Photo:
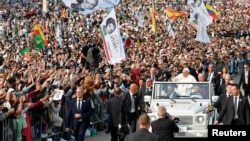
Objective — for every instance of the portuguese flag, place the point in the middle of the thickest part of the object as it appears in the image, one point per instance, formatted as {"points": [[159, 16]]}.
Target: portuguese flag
{"points": [[38, 37], [25, 52]]}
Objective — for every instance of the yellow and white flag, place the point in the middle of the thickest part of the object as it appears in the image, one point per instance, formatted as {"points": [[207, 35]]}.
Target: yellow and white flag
{"points": [[153, 17]]}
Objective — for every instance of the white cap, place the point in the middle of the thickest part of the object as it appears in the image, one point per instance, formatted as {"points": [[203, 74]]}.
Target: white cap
{"points": [[186, 69], [7, 105]]}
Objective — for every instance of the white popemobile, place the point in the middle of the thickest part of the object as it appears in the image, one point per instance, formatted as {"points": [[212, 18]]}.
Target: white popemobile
{"points": [[188, 103]]}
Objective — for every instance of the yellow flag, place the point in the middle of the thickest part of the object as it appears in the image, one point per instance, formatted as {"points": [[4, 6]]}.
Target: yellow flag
{"points": [[153, 16]]}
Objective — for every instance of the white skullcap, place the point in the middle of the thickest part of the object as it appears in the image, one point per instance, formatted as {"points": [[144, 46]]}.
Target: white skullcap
{"points": [[186, 69]]}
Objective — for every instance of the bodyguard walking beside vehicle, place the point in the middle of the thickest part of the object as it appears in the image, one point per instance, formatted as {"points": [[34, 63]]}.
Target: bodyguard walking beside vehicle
{"points": [[114, 112], [164, 127]]}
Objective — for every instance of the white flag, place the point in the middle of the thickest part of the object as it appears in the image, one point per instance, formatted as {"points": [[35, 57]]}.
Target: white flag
{"points": [[202, 35], [170, 28], [113, 44], [89, 6], [199, 12], [199, 16], [58, 33], [139, 17]]}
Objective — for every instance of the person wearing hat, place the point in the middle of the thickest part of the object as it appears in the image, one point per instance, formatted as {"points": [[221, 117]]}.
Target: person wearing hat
{"points": [[4, 115], [184, 77]]}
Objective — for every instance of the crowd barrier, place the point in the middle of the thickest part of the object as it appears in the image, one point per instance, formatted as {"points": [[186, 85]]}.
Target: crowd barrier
{"points": [[40, 123]]}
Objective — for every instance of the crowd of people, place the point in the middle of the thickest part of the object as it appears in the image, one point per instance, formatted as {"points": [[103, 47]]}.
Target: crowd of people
{"points": [[28, 85]]}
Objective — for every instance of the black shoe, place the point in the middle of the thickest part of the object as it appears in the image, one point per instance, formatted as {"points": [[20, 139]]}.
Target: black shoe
{"points": [[107, 131]]}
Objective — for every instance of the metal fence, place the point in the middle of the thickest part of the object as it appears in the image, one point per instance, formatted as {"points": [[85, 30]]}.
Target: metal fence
{"points": [[38, 118]]}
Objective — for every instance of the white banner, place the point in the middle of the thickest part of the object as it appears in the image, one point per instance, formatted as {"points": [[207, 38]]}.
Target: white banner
{"points": [[199, 12], [58, 94], [58, 33], [89, 6], [170, 28], [202, 35], [199, 16], [112, 39], [139, 17]]}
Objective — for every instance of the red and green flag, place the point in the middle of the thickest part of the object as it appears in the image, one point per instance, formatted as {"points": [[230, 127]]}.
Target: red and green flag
{"points": [[39, 44], [25, 52], [38, 37]]}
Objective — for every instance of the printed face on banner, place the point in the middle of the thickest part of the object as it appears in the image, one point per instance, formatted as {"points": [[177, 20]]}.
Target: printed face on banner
{"points": [[89, 6], [58, 94], [110, 26]]}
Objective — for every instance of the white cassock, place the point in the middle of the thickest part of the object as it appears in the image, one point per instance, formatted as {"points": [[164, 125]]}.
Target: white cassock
{"points": [[184, 89]]}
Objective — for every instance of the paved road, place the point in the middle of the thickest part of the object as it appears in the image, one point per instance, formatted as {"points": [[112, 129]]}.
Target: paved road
{"points": [[102, 136]]}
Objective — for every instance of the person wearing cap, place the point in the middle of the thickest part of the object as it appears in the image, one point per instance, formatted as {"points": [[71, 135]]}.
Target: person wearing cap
{"points": [[184, 77], [4, 115], [192, 71]]}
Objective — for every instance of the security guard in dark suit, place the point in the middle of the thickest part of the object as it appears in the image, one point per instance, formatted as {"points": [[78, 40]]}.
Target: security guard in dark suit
{"points": [[131, 106], [164, 127], [142, 134], [114, 112]]}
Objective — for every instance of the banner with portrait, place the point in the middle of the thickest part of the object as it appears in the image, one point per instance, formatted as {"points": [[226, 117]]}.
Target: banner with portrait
{"points": [[112, 40], [58, 94], [89, 6]]}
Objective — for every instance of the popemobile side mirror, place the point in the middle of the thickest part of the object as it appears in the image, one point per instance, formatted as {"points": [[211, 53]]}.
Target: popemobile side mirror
{"points": [[215, 98]]}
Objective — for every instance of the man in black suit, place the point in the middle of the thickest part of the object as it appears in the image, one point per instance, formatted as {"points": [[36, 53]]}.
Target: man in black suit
{"points": [[131, 107], [244, 81], [78, 117], [142, 134], [213, 77], [153, 74], [164, 127], [223, 98], [236, 109], [223, 84], [114, 112], [145, 90], [149, 87], [141, 92]]}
